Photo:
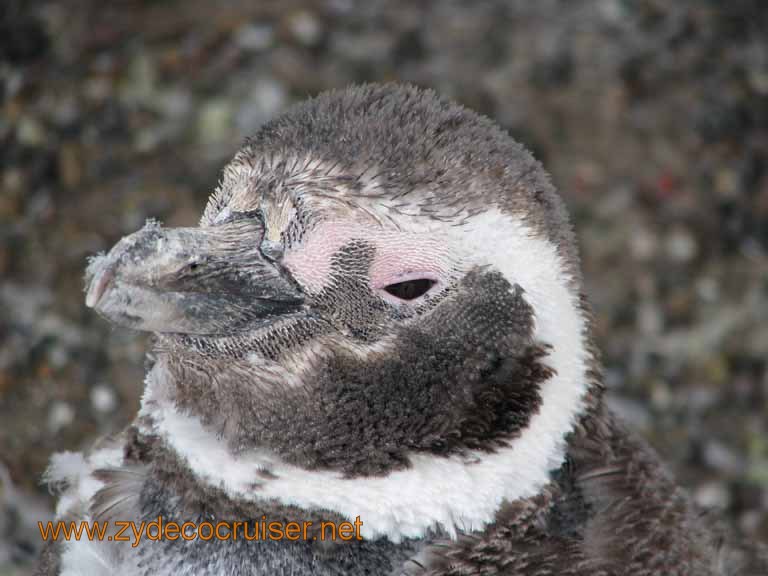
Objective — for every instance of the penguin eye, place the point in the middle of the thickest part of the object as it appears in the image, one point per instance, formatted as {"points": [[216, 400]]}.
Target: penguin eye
{"points": [[410, 289]]}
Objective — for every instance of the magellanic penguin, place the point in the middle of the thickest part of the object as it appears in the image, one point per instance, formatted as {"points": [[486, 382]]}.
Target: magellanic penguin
{"points": [[379, 319]]}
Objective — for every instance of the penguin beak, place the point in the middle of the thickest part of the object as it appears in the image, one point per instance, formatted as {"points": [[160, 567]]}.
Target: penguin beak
{"points": [[192, 280]]}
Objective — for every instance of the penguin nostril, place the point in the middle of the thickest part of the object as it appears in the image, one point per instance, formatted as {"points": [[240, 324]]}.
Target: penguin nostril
{"points": [[192, 267], [271, 250]]}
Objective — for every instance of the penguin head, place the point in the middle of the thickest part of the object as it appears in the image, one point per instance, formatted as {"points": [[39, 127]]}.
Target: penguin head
{"points": [[383, 282]]}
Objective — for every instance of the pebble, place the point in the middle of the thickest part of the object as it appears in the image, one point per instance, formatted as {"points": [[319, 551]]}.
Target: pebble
{"points": [[611, 11], [140, 85], [720, 457], [60, 416], [103, 399], [174, 103], [97, 88], [70, 165], [650, 319], [254, 37], [701, 399], [64, 109], [13, 180], [727, 183], [681, 245], [305, 27], [759, 81], [270, 96], [751, 520], [631, 411], [266, 99], [643, 244], [58, 356], [30, 132], [708, 289], [661, 395], [214, 121], [712, 495]]}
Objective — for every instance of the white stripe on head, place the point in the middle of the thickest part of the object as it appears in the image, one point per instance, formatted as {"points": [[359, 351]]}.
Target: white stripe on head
{"points": [[454, 493]]}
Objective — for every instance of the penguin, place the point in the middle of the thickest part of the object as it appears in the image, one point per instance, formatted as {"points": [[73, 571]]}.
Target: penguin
{"points": [[379, 321]]}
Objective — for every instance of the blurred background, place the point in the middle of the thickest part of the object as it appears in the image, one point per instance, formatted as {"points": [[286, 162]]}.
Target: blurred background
{"points": [[652, 117]]}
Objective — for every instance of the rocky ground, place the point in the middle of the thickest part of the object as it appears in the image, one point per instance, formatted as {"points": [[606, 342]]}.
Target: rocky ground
{"points": [[652, 117]]}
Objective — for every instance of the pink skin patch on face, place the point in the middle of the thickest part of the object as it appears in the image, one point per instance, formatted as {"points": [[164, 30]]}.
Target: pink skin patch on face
{"points": [[399, 256]]}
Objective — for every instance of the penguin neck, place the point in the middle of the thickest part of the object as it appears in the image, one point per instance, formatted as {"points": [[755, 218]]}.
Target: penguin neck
{"points": [[459, 493]]}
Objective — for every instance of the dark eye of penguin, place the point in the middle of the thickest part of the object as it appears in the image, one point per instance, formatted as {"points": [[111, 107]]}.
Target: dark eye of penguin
{"points": [[410, 289]]}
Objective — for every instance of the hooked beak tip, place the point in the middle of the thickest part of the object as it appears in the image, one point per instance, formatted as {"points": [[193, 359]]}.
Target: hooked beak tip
{"points": [[98, 286]]}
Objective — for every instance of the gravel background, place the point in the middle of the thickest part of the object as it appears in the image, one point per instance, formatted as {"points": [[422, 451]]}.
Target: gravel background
{"points": [[652, 117]]}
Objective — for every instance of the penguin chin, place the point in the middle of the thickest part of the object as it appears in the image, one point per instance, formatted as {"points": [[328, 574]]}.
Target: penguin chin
{"points": [[261, 339]]}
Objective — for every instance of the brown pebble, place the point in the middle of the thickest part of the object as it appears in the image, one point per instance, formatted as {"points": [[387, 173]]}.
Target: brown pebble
{"points": [[70, 165]]}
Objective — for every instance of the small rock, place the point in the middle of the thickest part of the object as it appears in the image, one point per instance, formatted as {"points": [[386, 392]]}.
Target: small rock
{"points": [[267, 98], [60, 416], [661, 396], [712, 495], [254, 37], [270, 95], [358, 47], [14, 82], [58, 356], [214, 121], [613, 205], [708, 289], [141, 84], [750, 521], [643, 244], [727, 183], [631, 411], [64, 110], [150, 138], [341, 6], [720, 457], [30, 132], [305, 27], [681, 246], [103, 399], [701, 399], [97, 88], [174, 103], [650, 320], [758, 79], [717, 371], [13, 180], [70, 165], [611, 11]]}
